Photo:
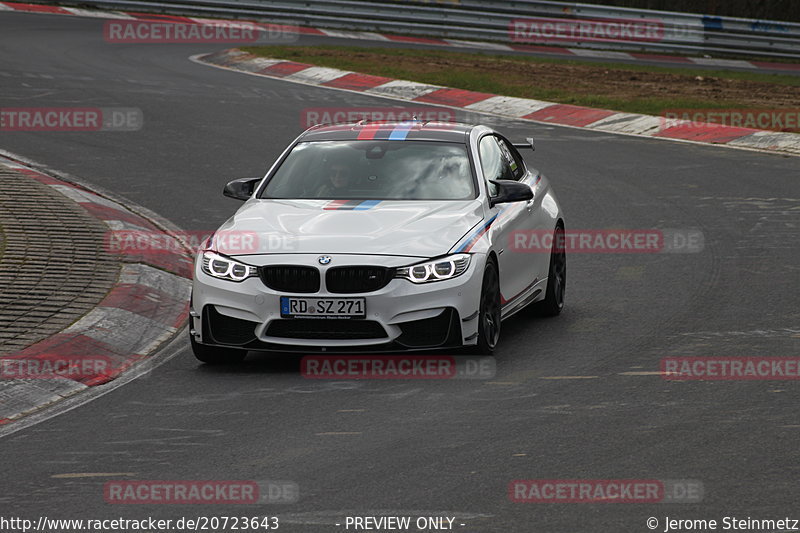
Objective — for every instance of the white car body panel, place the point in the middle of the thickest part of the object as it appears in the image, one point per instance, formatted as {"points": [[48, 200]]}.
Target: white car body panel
{"points": [[381, 233]]}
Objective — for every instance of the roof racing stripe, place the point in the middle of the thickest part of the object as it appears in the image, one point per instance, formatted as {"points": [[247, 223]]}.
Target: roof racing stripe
{"points": [[368, 132], [400, 132]]}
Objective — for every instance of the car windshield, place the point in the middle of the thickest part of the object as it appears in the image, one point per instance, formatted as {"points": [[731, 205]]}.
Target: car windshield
{"points": [[374, 170]]}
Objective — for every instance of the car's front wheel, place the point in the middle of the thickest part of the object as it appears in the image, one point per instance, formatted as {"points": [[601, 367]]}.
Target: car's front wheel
{"points": [[489, 314], [213, 355]]}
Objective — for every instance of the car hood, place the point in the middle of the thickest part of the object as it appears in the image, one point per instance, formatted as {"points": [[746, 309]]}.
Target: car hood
{"points": [[387, 227]]}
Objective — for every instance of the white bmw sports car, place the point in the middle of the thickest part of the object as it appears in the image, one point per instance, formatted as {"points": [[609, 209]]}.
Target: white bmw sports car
{"points": [[378, 237]]}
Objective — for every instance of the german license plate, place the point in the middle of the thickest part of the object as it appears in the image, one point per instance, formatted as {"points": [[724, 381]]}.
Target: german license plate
{"points": [[292, 307]]}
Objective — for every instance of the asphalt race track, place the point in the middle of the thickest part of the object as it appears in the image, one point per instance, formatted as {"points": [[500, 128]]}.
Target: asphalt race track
{"points": [[575, 397]]}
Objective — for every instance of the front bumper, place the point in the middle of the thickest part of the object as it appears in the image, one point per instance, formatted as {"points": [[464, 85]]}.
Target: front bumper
{"points": [[402, 315]]}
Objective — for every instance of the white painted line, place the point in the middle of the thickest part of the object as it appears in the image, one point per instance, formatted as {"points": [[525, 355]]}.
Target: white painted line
{"points": [[478, 44], [123, 330], [166, 282], [509, 106], [711, 62], [4, 7], [600, 54], [629, 123], [317, 75], [227, 23], [94, 13], [121, 225], [85, 197], [22, 396], [768, 140], [366, 35], [263, 62], [404, 90]]}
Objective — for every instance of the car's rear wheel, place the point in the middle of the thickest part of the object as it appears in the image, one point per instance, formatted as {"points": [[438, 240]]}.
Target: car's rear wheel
{"points": [[489, 314], [553, 302], [213, 355]]}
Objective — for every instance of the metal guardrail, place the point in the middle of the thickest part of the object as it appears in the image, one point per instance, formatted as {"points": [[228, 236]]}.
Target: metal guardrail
{"points": [[506, 21]]}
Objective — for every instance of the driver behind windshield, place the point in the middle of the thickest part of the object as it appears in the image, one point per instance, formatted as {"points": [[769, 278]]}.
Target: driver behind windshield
{"points": [[337, 180]]}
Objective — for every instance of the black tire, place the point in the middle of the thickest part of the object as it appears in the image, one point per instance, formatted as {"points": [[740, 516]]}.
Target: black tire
{"points": [[553, 302], [213, 355], [489, 313]]}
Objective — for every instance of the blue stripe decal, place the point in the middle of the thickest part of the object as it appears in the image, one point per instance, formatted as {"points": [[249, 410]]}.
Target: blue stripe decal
{"points": [[400, 132], [368, 204], [475, 233]]}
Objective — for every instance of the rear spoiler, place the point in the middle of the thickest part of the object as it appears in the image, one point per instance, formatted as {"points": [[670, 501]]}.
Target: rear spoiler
{"points": [[527, 144]]}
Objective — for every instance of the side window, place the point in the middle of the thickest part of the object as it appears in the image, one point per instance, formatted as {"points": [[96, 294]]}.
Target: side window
{"points": [[513, 158], [494, 163]]}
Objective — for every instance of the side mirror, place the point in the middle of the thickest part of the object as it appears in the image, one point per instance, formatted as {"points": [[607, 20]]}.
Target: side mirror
{"points": [[241, 189], [510, 191]]}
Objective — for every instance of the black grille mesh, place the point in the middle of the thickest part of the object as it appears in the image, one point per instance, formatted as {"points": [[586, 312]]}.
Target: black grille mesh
{"points": [[356, 279], [290, 278]]}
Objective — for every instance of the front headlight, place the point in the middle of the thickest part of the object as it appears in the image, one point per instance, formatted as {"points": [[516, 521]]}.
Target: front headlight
{"points": [[222, 267], [436, 270]]}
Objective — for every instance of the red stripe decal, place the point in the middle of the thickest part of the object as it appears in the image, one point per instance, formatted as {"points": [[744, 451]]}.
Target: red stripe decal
{"points": [[368, 132], [334, 205], [503, 300]]}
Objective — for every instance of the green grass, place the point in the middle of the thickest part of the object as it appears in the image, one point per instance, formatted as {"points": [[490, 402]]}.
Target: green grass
{"points": [[478, 79]]}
